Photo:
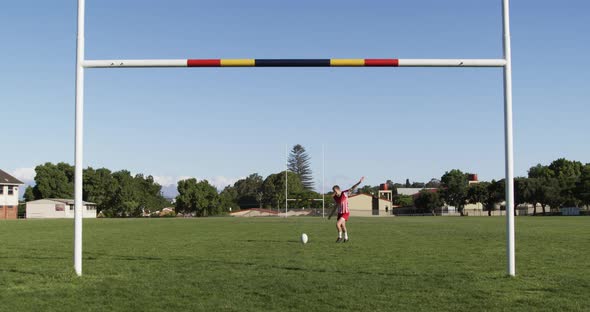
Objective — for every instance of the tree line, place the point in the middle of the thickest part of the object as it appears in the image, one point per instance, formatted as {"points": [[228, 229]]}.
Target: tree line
{"points": [[562, 183], [199, 198], [120, 194], [116, 194]]}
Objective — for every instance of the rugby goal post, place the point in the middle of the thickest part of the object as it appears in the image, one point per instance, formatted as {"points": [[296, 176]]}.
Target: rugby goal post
{"points": [[505, 63]]}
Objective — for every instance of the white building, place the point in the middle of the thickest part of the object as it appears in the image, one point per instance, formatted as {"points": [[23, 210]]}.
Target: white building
{"points": [[53, 208], [364, 205], [9, 195]]}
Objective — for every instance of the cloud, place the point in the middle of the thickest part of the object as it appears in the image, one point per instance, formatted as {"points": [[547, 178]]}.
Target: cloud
{"points": [[27, 175], [165, 180], [220, 182]]}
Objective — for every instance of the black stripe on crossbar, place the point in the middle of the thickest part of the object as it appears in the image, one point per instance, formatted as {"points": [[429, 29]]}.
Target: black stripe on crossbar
{"points": [[292, 62]]}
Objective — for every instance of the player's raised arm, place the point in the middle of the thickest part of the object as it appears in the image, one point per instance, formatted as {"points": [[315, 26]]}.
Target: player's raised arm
{"points": [[357, 184]]}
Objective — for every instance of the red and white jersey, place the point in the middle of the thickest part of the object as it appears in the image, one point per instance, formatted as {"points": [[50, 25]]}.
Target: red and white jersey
{"points": [[342, 202]]}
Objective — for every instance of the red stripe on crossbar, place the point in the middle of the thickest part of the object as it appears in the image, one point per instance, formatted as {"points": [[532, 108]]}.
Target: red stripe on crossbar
{"points": [[381, 62], [204, 63]]}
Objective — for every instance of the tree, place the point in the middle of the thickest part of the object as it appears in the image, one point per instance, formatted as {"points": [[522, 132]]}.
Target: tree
{"points": [[299, 163], [582, 190], [150, 193], [427, 201], [99, 188], [369, 190], [125, 199], [53, 181], [540, 172], [477, 193], [454, 186], [229, 199], [546, 193], [248, 189], [403, 200], [489, 194], [207, 200], [546, 187], [273, 188], [567, 174], [433, 183], [391, 186], [418, 185], [29, 194], [198, 198], [408, 183], [495, 195], [524, 192]]}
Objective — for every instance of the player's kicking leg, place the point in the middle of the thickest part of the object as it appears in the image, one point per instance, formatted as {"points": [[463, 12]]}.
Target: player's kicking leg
{"points": [[343, 226]]}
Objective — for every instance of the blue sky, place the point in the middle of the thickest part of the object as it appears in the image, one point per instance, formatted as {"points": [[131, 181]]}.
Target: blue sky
{"points": [[222, 124]]}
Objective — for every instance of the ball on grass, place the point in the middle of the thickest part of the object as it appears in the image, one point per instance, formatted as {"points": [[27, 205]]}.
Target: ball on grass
{"points": [[304, 238]]}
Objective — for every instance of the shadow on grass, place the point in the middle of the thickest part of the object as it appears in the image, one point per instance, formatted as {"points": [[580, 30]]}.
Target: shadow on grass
{"points": [[28, 257], [311, 270], [20, 272], [99, 255], [269, 241]]}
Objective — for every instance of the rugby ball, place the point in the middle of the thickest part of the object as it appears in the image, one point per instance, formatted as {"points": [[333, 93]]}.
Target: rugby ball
{"points": [[304, 238]]}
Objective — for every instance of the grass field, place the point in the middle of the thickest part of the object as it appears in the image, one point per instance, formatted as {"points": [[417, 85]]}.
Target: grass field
{"points": [[231, 264]]}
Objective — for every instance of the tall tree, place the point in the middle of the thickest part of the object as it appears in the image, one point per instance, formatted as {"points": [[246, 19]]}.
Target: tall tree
{"points": [[300, 163], [454, 186]]}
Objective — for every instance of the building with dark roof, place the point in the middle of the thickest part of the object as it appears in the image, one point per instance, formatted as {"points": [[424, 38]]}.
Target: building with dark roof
{"points": [[9, 195]]}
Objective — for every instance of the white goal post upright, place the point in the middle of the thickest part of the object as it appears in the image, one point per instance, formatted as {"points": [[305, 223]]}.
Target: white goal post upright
{"points": [[505, 63], [323, 181], [509, 149], [79, 140]]}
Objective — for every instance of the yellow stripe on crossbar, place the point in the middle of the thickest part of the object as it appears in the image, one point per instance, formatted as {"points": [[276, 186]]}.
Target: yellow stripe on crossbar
{"points": [[237, 62], [347, 62]]}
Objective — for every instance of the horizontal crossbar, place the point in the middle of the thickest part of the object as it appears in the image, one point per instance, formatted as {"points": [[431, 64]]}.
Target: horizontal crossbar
{"points": [[296, 63]]}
